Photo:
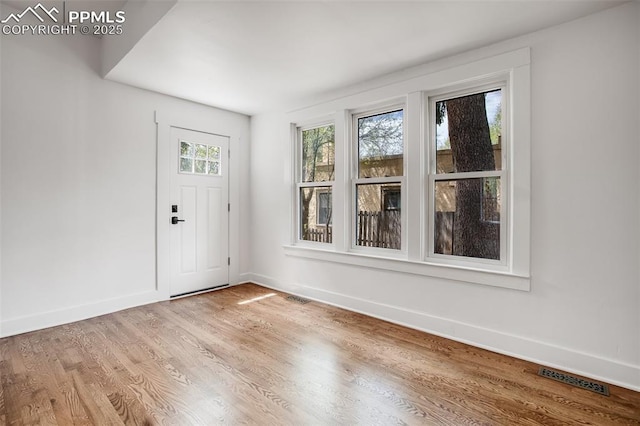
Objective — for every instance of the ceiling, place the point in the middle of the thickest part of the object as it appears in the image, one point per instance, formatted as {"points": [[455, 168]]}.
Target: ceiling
{"points": [[252, 57]]}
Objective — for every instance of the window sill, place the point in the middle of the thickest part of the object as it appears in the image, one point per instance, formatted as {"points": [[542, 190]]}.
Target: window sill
{"points": [[448, 272]]}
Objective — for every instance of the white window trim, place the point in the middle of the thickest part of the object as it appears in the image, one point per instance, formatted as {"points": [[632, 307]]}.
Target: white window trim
{"points": [[430, 99], [386, 263], [413, 258], [397, 105], [296, 131]]}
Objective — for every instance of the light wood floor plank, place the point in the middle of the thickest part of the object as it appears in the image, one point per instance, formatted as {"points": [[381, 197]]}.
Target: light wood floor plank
{"points": [[209, 360]]}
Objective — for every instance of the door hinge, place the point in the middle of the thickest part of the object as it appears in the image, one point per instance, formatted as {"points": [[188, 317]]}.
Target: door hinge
{"points": [[228, 261], [229, 207]]}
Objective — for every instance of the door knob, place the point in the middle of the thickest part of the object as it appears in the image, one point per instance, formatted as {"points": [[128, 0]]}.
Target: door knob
{"points": [[175, 220]]}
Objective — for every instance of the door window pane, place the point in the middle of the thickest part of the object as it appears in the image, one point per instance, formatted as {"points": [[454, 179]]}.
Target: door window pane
{"points": [[315, 214], [467, 217], [376, 225], [380, 145], [186, 149], [214, 152], [469, 133], [214, 168], [201, 151], [200, 166], [186, 165], [318, 154], [199, 159]]}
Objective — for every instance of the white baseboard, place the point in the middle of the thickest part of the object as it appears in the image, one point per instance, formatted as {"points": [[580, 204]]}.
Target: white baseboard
{"points": [[550, 355], [11, 327], [244, 278], [56, 317]]}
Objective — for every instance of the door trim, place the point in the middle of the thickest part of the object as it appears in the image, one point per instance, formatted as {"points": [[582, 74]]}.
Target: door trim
{"points": [[164, 123]]}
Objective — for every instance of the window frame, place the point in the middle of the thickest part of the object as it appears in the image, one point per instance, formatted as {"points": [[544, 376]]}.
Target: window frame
{"points": [[384, 197], [208, 160], [430, 99], [318, 207], [438, 78], [354, 116], [298, 173]]}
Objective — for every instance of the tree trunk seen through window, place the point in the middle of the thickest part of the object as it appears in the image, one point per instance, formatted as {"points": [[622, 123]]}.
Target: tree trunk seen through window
{"points": [[471, 150]]}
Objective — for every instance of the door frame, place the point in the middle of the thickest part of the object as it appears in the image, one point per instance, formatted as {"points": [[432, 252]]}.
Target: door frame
{"points": [[164, 123]]}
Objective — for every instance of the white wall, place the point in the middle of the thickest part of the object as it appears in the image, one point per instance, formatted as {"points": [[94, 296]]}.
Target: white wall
{"points": [[141, 17], [78, 178], [638, 139], [1, 127], [582, 311]]}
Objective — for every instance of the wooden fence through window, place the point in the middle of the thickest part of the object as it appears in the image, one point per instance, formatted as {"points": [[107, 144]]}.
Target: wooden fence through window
{"points": [[319, 235], [383, 229], [379, 229]]}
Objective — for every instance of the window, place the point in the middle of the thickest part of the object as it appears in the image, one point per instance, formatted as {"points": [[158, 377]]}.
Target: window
{"points": [[391, 198], [467, 175], [434, 180], [379, 137], [323, 213], [199, 159], [317, 171]]}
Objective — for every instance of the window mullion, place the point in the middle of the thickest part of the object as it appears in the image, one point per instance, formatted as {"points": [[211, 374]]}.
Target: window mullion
{"points": [[382, 180], [413, 197], [314, 184], [340, 187], [467, 175]]}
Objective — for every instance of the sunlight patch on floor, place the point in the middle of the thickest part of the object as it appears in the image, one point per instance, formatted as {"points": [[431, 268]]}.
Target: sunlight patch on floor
{"points": [[255, 299]]}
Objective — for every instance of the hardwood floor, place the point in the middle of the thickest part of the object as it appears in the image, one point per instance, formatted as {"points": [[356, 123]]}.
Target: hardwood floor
{"points": [[211, 359]]}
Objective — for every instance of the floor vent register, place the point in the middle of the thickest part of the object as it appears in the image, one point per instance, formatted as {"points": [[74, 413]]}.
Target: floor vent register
{"points": [[298, 299], [596, 387]]}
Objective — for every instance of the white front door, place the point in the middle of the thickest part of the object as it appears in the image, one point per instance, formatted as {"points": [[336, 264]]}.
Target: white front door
{"points": [[199, 211]]}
